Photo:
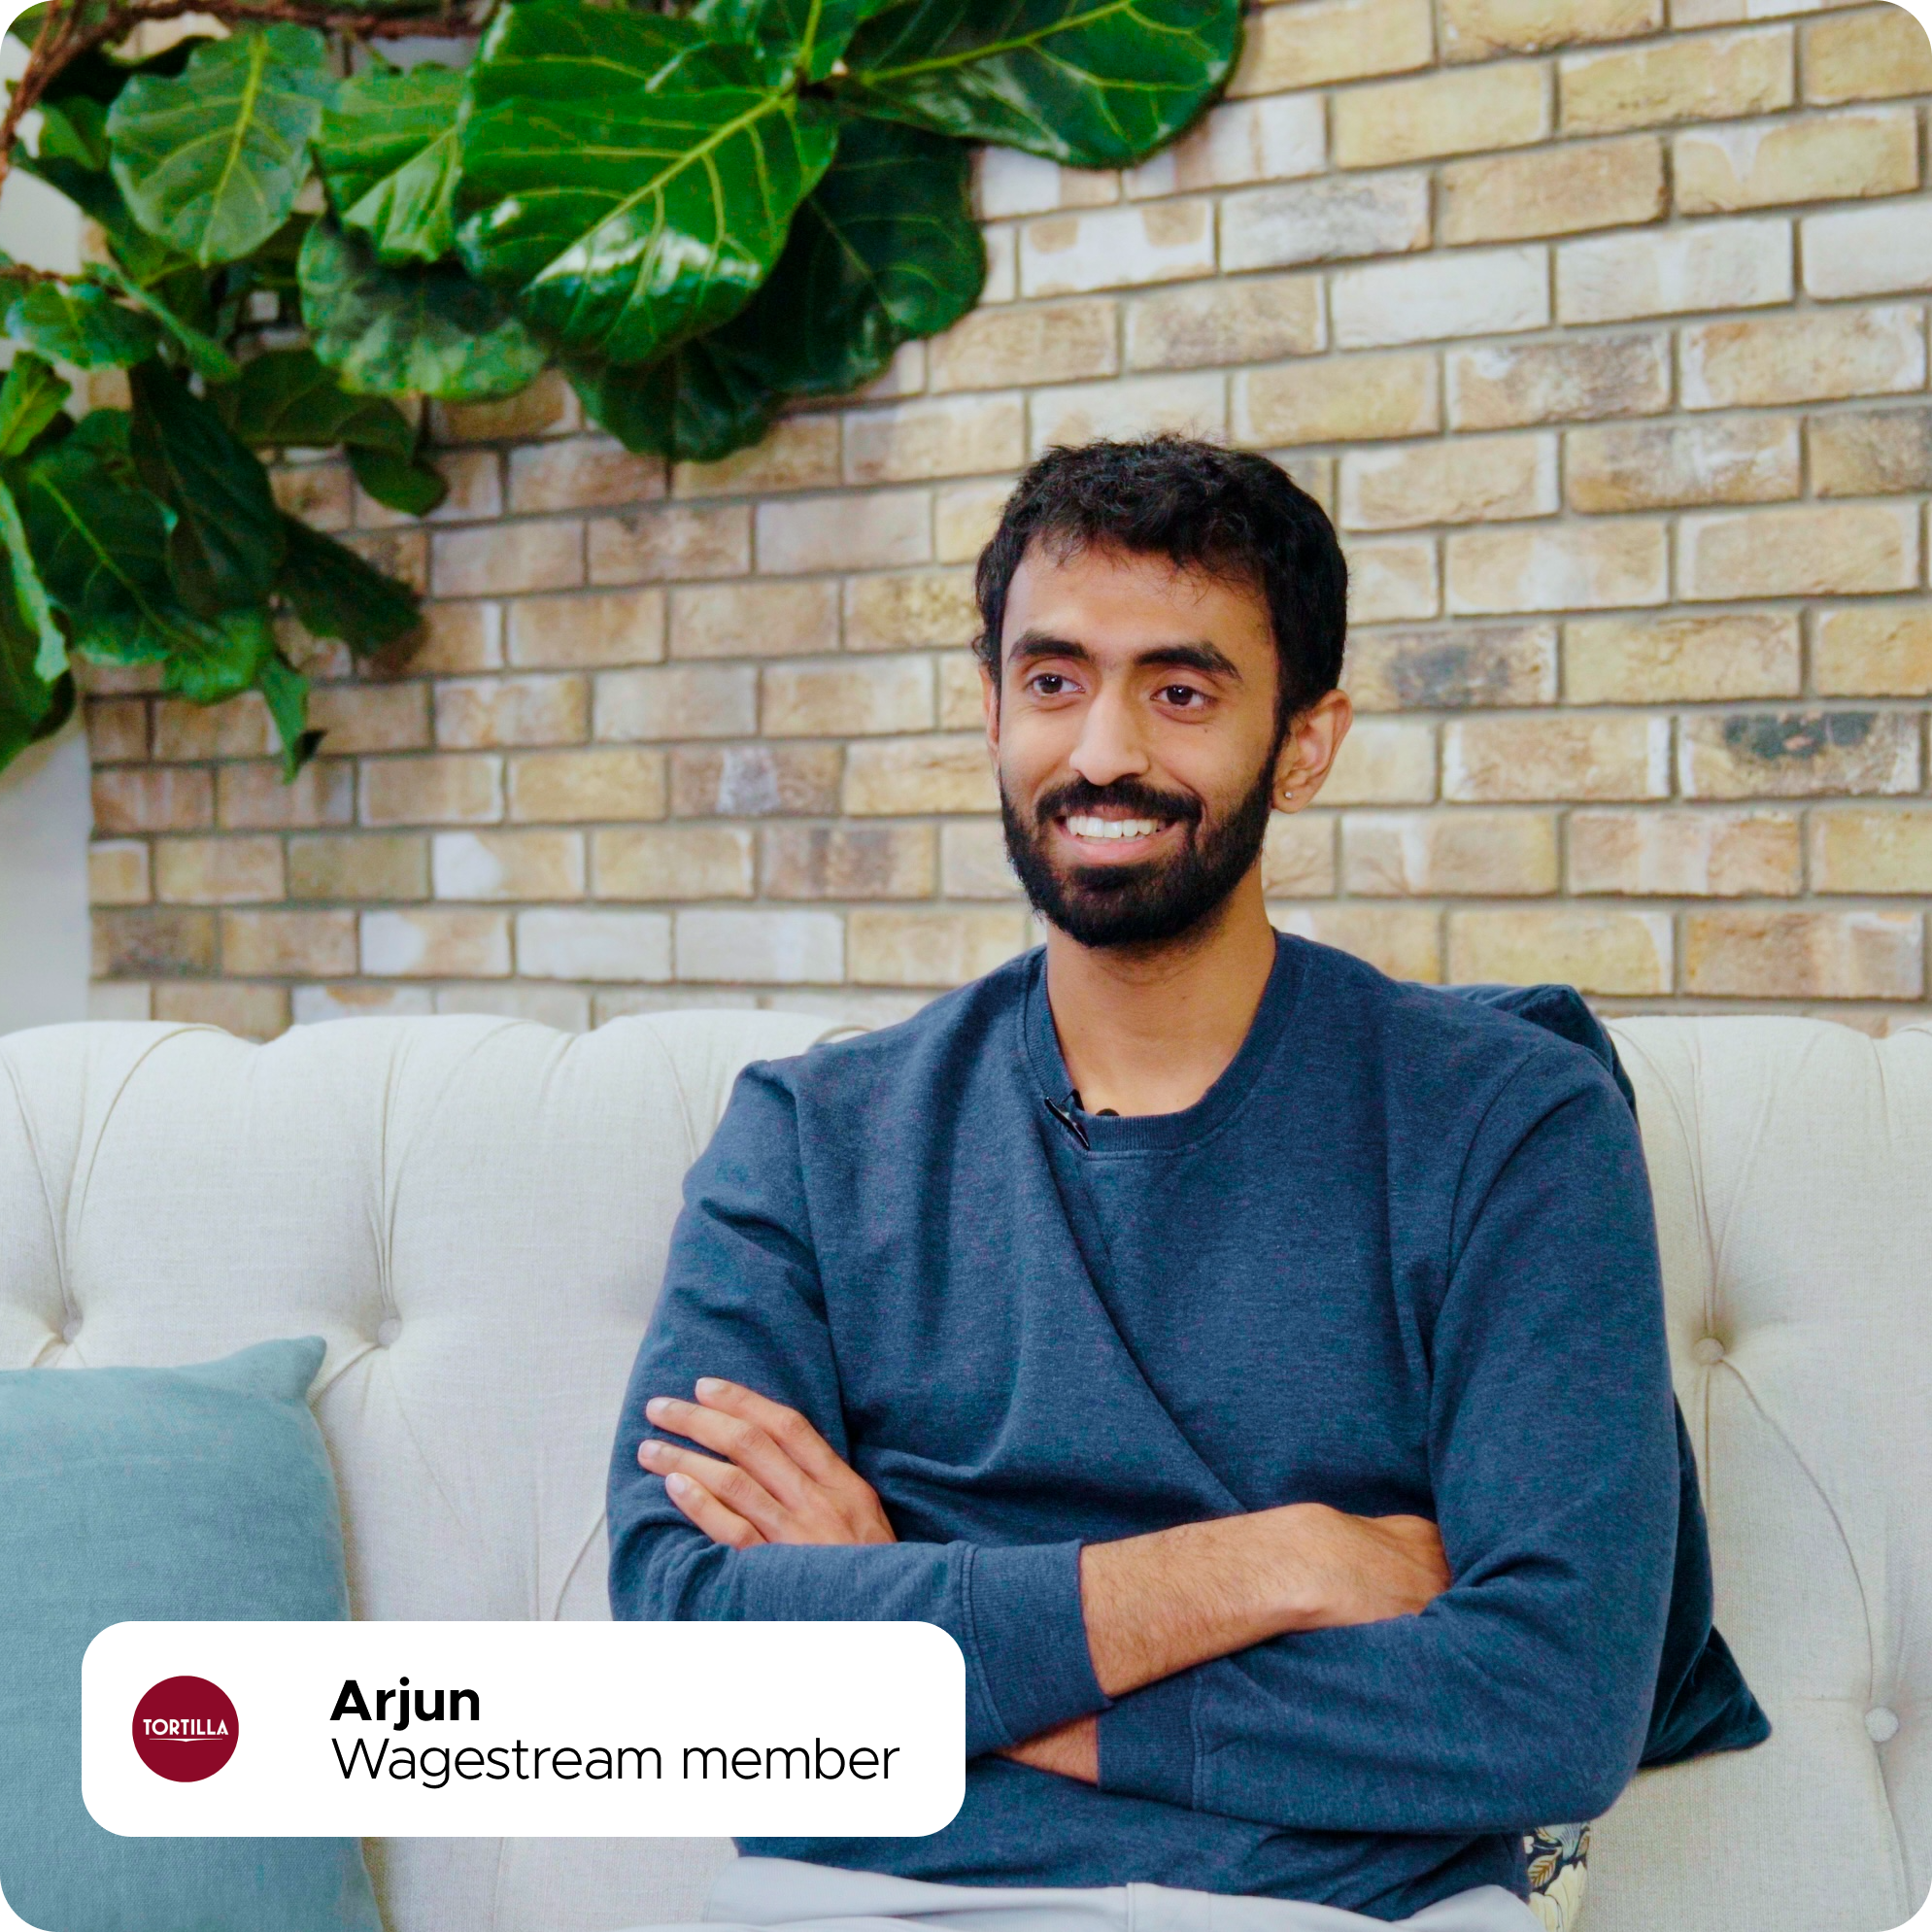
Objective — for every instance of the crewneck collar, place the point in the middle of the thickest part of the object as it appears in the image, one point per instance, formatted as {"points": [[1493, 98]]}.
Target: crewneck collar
{"points": [[1113, 1133]]}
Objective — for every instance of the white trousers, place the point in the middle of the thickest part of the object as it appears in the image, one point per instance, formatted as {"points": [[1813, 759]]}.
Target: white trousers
{"points": [[752, 1894]]}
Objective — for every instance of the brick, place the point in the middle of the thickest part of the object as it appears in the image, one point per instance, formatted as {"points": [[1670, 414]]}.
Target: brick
{"points": [[586, 630], [1553, 192], [849, 862], [120, 1000], [1793, 955], [593, 944], [927, 438], [279, 945], [507, 558], [877, 531], [249, 1012], [115, 679], [359, 1001], [766, 948], [117, 728], [237, 727], [1522, 760], [1012, 183], [1341, 399], [1479, 29], [473, 488], [1810, 358], [1439, 669], [330, 659], [930, 948], [1270, 139], [253, 797], [582, 473], [756, 781], [142, 798], [1798, 755], [456, 637], [1872, 852], [1454, 111], [321, 494], [965, 517], [972, 861], [1651, 466], [1575, 566], [371, 717], [1829, 158], [359, 867], [1330, 220], [1393, 580], [1578, 381], [1383, 762], [1691, 77], [1472, 480], [677, 702], [674, 541], [1117, 247], [537, 709], [1319, 41], [1597, 952], [1680, 660], [1051, 342], [1193, 405], [1726, 12], [1884, 652], [1469, 854], [1003, 264], [218, 871], [1297, 855], [1685, 854], [508, 864], [753, 620], [137, 939], [424, 943], [570, 786], [561, 1007], [922, 609], [871, 699], [117, 872], [1873, 53], [896, 776], [1816, 551], [1476, 291], [1403, 941], [1867, 251], [796, 453], [672, 861], [1738, 264], [403, 555], [431, 791], [547, 405], [1871, 451], [1252, 321]]}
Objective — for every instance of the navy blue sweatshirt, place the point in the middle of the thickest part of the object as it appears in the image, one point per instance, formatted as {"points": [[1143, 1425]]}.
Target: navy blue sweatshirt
{"points": [[1399, 1257]]}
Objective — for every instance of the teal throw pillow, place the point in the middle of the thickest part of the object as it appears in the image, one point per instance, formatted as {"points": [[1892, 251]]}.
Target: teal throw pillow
{"points": [[175, 1495]]}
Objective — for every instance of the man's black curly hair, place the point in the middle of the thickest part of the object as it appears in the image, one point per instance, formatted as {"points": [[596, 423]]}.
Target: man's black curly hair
{"points": [[1225, 513]]}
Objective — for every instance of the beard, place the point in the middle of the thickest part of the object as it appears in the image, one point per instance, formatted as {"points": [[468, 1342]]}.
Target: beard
{"points": [[1157, 899]]}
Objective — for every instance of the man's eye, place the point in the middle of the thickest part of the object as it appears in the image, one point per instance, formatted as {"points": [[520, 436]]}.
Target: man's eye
{"points": [[1181, 696], [1048, 684]]}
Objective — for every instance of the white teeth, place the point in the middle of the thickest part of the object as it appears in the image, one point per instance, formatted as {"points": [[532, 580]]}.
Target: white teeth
{"points": [[1092, 828]]}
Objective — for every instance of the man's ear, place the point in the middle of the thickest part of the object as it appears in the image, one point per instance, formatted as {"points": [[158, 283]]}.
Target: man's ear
{"points": [[1309, 750]]}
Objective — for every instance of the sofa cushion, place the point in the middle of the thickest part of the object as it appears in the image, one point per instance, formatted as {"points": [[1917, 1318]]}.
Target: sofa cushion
{"points": [[158, 1494]]}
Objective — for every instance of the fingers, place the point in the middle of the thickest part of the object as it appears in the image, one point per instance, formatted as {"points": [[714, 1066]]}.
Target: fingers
{"points": [[786, 1426], [738, 1441], [739, 1495], [707, 1514]]}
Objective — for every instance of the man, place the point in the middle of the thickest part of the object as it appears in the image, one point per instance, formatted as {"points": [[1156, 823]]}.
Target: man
{"points": [[1256, 1364]]}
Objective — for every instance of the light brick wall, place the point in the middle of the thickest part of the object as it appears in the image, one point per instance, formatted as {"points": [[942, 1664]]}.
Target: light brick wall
{"points": [[1603, 335]]}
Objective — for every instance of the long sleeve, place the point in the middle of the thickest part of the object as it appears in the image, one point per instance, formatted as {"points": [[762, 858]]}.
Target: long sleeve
{"points": [[1521, 1694], [742, 1299]]}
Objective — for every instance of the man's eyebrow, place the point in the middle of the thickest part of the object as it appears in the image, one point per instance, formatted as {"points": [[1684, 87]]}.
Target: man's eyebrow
{"points": [[1194, 656]]}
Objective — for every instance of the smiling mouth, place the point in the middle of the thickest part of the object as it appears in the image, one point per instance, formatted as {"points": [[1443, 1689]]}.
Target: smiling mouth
{"points": [[1083, 825]]}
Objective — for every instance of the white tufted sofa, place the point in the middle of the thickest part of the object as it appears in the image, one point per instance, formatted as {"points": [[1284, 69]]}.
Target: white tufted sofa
{"points": [[475, 1213]]}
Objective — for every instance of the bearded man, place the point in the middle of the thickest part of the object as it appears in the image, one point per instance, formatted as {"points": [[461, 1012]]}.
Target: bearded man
{"points": [[1255, 1362]]}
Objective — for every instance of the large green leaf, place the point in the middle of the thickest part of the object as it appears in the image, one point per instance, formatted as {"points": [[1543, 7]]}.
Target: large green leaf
{"points": [[431, 330], [30, 398], [696, 404], [399, 482], [75, 129], [336, 593], [286, 692], [288, 398], [30, 592], [388, 150], [200, 351], [225, 546], [30, 706], [1096, 84], [809, 35], [224, 659], [212, 160], [81, 324], [633, 183]]}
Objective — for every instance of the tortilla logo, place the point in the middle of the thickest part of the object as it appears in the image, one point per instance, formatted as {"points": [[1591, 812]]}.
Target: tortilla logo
{"points": [[185, 1729]]}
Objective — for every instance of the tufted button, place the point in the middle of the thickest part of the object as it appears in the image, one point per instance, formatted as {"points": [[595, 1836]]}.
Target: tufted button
{"points": [[1882, 1725], [1708, 1351], [389, 1331], [71, 1331]]}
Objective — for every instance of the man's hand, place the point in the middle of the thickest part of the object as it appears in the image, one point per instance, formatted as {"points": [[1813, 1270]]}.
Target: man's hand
{"points": [[779, 1479]]}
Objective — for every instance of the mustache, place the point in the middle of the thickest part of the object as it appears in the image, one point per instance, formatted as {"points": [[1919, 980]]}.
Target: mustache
{"points": [[1128, 795]]}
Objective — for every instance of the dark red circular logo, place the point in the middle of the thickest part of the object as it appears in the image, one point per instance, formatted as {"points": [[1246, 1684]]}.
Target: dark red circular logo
{"points": [[185, 1729]]}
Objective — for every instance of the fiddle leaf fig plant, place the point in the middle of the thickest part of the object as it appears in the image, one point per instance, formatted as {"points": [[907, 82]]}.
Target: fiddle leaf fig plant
{"points": [[696, 211]]}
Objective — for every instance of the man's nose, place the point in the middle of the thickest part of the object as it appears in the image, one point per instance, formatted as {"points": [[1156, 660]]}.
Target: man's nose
{"points": [[1109, 746]]}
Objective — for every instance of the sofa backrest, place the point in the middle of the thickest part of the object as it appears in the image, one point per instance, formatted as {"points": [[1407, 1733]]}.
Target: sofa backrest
{"points": [[474, 1214]]}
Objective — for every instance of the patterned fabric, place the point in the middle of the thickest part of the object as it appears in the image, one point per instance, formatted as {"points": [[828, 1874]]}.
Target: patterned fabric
{"points": [[1559, 1859]]}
